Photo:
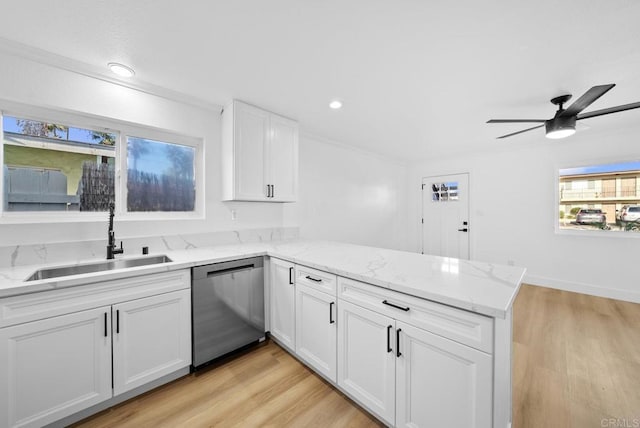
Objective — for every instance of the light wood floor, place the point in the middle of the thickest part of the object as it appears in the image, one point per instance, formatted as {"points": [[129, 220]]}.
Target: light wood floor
{"points": [[576, 361]]}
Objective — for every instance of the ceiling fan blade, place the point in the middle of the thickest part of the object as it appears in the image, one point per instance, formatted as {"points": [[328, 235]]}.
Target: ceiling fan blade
{"points": [[516, 121], [586, 99], [608, 110], [520, 132]]}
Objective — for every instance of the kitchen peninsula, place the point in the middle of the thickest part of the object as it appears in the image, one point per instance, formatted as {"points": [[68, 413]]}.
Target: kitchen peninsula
{"points": [[440, 328]]}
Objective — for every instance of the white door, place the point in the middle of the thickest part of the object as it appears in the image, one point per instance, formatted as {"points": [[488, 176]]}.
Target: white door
{"points": [[282, 309], [366, 358], [283, 159], [445, 216], [250, 142], [151, 339], [316, 329], [440, 382], [55, 367]]}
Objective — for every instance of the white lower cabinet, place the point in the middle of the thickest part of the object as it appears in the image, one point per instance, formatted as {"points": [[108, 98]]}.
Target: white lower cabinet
{"points": [[54, 367], [440, 382], [410, 362], [151, 339], [316, 329], [366, 359], [282, 311]]}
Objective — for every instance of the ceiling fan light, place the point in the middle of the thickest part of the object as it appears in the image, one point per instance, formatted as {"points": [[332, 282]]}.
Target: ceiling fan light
{"points": [[560, 127], [560, 133]]}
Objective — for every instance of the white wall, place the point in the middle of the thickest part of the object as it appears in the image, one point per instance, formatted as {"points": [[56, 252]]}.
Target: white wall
{"points": [[513, 209], [349, 195], [28, 82]]}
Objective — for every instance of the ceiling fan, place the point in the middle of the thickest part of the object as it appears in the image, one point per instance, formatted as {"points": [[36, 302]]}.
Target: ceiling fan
{"points": [[563, 124]]}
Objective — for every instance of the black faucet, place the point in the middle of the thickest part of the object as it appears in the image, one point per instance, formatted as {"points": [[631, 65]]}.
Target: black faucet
{"points": [[111, 246]]}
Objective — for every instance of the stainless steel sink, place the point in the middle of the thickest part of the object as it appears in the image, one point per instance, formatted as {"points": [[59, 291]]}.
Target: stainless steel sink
{"points": [[56, 272]]}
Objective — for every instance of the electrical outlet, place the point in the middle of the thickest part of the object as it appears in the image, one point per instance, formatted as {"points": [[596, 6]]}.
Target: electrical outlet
{"points": [[233, 215], [511, 262]]}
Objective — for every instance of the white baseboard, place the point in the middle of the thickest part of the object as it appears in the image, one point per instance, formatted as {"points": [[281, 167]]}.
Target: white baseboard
{"points": [[577, 287]]}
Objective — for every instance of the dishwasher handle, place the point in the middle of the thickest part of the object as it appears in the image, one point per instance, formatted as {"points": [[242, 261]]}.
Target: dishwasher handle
{"points": [[216, 272]]}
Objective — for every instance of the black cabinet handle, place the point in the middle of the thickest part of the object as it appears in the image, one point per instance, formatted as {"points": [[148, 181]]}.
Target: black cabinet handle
{"points": [[402, 308], [118, 321], [463, 230], [291, 275], [398, 353], [268, 190], [331, 320], [105, 325], [389, 327], [273, 190], [313, 279]]}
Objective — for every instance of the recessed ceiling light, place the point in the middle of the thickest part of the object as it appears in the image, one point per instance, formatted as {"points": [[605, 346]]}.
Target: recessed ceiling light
{"points": [[121, 69], [335, 104]]}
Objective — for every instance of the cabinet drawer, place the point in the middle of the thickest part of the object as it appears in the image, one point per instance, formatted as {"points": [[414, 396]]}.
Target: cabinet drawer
{"points": [[317, 279], [462, 326], [45, 304]]}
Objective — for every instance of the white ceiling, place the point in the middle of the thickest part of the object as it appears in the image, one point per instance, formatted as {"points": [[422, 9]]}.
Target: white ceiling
{"points": [[418, 78]]}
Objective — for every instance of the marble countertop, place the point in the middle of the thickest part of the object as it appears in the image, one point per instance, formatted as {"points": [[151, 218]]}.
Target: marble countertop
{"points": [[480, 287]]}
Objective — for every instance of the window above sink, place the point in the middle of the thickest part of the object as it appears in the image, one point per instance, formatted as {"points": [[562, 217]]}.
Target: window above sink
{"points": [[64, 167]]}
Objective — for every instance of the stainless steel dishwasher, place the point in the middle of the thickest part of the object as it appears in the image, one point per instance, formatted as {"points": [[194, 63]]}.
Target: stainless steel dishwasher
{"points": [[228, 308]]}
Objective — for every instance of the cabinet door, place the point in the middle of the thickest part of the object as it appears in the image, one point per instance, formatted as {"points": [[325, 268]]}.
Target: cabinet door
{"points": [[151, 338], [283, 159], [283, 303], [366, 359], [54, 367], [316, 330], [441, 382], [251, 130]]}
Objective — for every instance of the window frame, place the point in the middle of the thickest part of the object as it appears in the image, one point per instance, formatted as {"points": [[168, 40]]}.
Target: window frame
{"points": [[122, 130]]}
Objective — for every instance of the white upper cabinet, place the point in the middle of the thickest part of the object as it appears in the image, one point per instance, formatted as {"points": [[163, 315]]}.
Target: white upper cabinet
{"points": [[259, 155]]}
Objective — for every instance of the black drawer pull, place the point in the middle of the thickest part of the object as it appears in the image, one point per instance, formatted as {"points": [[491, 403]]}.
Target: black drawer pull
{"points": [[389, 327], [398, 353], [118, 321], [105, 325], [291, 275], [331, 320], [402, 308], [313, 279]]}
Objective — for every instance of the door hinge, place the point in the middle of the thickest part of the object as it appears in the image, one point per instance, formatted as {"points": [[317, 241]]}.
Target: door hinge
{"points": [[422, 186]]}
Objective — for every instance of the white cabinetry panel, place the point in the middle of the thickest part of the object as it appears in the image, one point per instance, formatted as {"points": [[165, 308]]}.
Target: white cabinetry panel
{"points": [[440, 382], [151, 338], [250, 134], [283, 320], [55, 367], [283, 159], [366, 361], [316, 329]]}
